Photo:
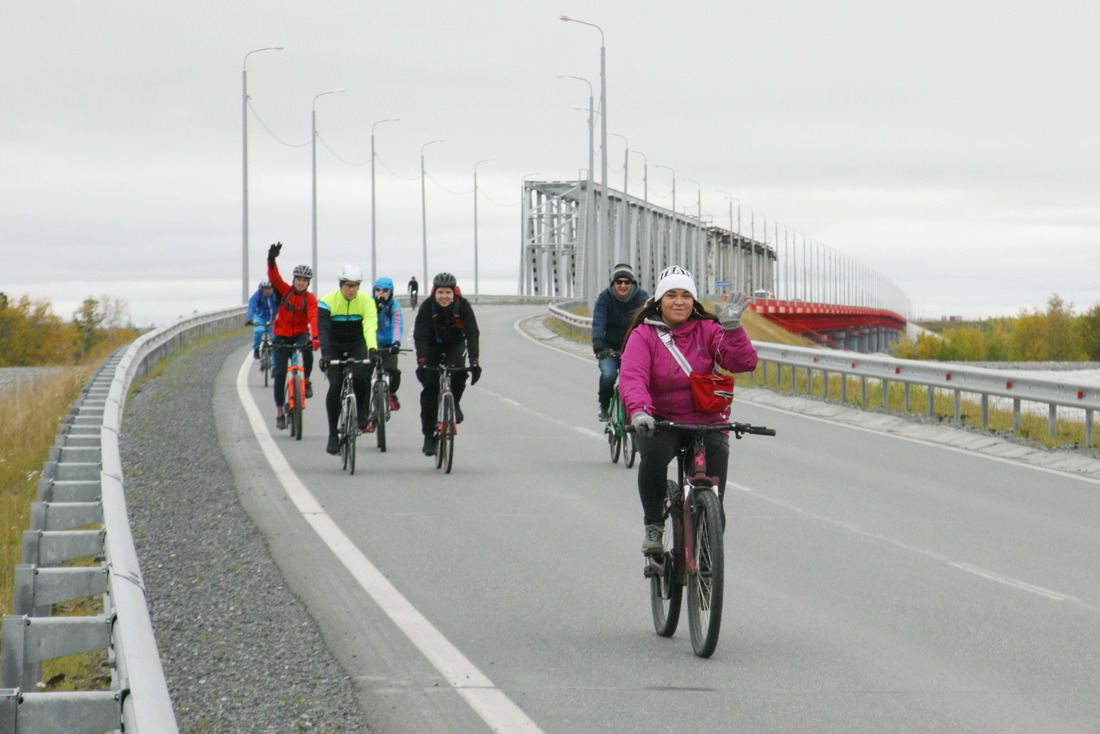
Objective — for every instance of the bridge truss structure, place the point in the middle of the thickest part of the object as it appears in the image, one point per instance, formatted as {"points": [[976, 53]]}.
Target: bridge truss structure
{"points": [[573, 237]]}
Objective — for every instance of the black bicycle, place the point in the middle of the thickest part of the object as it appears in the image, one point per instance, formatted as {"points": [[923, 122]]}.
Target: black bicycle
{"points": [[380, 403], [693, 555], [347, 425], [619, 440], [446, 418], [265, 353]]}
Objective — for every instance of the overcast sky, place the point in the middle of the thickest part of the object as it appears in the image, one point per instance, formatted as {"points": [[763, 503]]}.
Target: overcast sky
{"points": [[950, 145]]}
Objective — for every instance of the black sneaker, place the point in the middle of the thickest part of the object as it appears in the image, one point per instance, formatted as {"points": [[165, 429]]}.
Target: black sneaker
{"points": [[333, 445], [309, 389], [429, 446], [603, 416], [458, 413], [280, 422], [255, 354]]}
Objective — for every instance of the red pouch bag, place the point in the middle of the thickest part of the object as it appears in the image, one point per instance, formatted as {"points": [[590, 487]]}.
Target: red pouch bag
{"points": [[712, 393]]}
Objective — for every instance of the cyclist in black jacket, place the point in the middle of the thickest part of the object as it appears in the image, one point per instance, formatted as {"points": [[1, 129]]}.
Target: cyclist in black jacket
{"points": [[445, 331]]}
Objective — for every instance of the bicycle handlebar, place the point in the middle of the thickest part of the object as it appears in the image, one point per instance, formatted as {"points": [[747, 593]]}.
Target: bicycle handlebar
{"points": [[738, 429]]}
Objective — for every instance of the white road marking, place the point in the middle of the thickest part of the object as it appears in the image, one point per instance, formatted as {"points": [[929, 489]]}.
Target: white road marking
{"points": [[489, 702]]}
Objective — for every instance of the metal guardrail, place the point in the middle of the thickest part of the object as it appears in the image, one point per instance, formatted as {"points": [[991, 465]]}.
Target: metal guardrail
{"points": [[1015, 385], [82, 486]]}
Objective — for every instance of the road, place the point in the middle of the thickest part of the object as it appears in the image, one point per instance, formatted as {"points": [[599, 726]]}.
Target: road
{"points": [[874, 583]]}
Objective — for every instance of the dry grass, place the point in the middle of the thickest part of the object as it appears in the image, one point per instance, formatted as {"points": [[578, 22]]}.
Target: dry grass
{"points": [[39, 409]]}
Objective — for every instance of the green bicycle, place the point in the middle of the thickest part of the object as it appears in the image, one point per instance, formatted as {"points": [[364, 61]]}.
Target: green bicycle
{"points": [[619, 440]]}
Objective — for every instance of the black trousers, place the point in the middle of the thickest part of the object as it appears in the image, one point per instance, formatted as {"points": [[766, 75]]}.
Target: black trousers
{"points": [[661, 448]]}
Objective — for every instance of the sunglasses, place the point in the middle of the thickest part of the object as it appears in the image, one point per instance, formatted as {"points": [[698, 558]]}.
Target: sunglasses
{"points": [[620, 281], [382, 290], [349, 284]]}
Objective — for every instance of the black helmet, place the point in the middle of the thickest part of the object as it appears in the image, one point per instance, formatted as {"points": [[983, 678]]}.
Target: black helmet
{"points": [[444, 280]]}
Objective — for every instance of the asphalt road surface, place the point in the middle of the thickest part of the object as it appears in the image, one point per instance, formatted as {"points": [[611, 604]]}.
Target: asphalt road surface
{"points": [[874, 583]]}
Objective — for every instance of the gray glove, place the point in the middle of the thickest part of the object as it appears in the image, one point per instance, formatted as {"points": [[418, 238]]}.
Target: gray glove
{"points": [[644, 424], [730, 315]]}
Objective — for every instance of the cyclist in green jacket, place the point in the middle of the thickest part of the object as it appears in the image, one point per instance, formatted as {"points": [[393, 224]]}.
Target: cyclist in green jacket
{"points": [[348, 324]]}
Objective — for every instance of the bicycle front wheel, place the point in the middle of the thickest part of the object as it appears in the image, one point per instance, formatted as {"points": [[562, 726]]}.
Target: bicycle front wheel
{"points": [[447, 434], [380, 400], [351, 431], [265, 362], [705, 586], [299, 396], [665, 591], [614, 438]]}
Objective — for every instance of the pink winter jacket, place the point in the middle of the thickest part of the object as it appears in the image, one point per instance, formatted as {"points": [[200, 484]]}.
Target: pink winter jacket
{"points": [[652, 381]]}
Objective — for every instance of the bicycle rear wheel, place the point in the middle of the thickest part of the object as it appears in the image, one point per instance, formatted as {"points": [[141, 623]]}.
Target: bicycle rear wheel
{"points": [[705, 586], [447, 437], [380, 401], [296, 411], [665, 591]]}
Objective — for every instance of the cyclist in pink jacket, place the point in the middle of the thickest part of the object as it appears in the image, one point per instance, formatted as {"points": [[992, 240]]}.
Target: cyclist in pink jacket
{"points": [[654, 386]]}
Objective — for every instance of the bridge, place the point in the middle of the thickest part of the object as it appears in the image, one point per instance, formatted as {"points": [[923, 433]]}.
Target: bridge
{"points": [[573, 235]]}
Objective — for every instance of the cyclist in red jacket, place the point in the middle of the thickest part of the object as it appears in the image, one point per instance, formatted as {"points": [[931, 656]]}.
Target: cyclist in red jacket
{"points": [[295, 325]]}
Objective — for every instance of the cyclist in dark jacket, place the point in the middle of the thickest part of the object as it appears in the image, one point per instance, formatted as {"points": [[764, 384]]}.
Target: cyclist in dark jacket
{"points": [[610, 320], [445, 331]]}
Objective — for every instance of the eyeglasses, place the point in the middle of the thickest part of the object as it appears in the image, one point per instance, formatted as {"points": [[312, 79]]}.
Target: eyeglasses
{"points": [[382, 290], [349, 284], [620, 281]]}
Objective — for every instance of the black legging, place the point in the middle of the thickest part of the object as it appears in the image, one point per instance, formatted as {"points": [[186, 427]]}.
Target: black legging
{"points": [[660, 449]]}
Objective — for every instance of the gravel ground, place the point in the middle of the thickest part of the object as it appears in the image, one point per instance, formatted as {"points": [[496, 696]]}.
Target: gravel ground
{"points": [[240, 651]]}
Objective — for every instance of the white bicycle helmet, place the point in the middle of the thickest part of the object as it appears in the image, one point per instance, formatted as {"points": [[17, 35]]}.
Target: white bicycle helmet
{"points": [[351, 273]]}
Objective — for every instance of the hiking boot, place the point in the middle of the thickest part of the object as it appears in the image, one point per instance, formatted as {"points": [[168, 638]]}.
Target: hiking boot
{"points": [[458, 413], [429, 446], [653, 545], [394, 405], [255, 354], [280, 422], [309, 389], [603, 416], [333, 446]]}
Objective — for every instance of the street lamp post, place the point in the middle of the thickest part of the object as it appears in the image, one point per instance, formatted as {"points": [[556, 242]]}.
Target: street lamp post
{"points": [[606, 226], [674, 229], [245, 290], [645, 259], [727, 271], [373, 229], [698, 252], [313, 141], [486, 160], [623, 252], [424, 209], [589, 271]]}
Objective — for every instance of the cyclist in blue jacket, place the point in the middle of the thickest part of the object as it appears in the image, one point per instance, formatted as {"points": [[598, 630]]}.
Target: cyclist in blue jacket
{"points": [[261, 312], [391, 330]]}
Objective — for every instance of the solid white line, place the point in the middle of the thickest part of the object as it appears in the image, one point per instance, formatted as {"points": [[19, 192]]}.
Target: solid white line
{"points": [[495, 708]]}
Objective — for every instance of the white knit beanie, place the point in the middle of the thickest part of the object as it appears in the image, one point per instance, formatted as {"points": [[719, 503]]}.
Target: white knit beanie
{"points": [[674, 277]]}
